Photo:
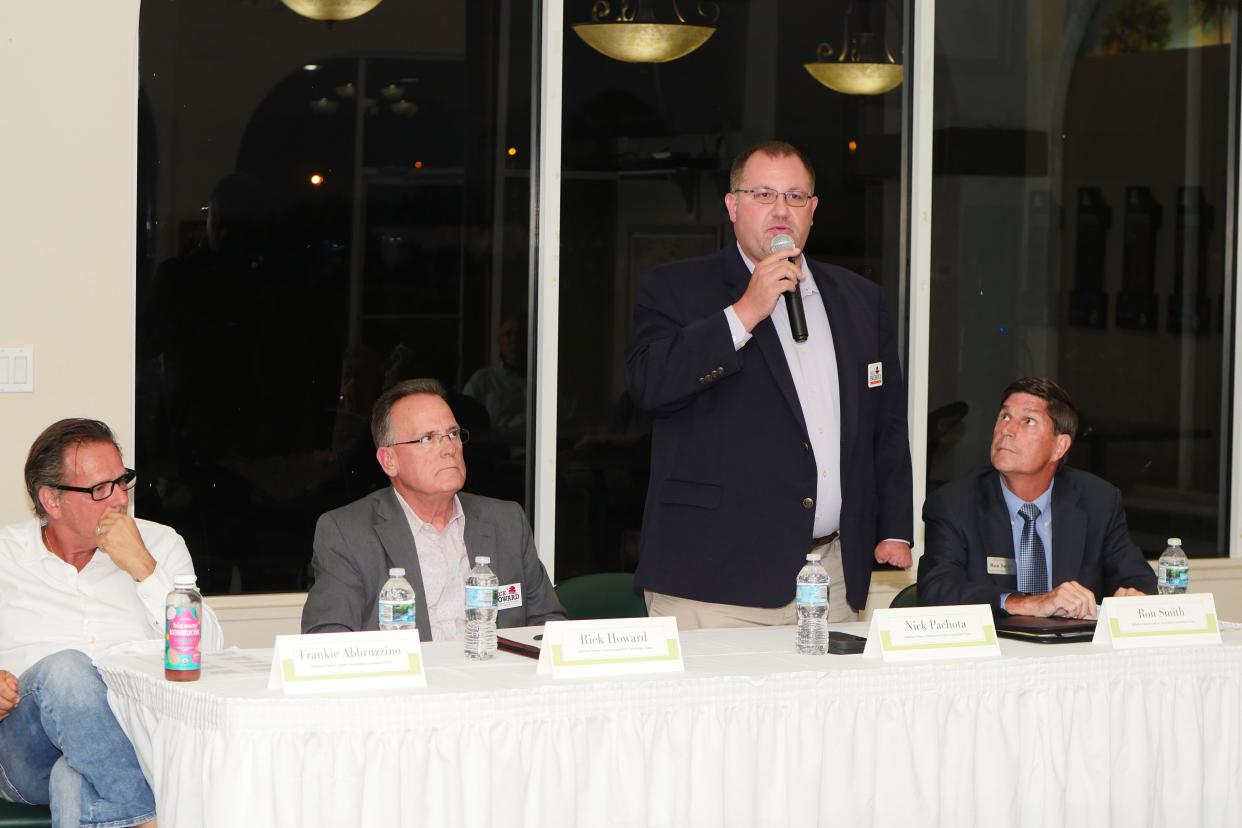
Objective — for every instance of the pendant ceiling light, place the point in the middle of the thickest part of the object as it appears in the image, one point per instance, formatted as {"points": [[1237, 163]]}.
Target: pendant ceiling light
{"points": [[634, 35], [862, 66], [331, 10]]}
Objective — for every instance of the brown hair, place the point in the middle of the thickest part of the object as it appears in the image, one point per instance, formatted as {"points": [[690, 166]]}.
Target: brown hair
{"points": [[383, 406], [1060, 407], [772, 149], [45, 464]]}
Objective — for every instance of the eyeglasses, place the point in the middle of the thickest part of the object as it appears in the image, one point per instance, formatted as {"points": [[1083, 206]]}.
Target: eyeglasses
{"points": [[460, 436], [763, 195], [103, 491]]}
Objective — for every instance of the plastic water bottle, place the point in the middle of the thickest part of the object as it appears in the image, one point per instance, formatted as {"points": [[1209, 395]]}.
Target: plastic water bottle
{"points": [[812, 603], [481, 586], [397, 606], [183, 630], [1173, 569]]}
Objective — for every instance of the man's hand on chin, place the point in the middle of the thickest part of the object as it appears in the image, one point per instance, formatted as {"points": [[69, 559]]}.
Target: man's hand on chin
{"points": [[118, 536], [1068, 600], [896, 553]]}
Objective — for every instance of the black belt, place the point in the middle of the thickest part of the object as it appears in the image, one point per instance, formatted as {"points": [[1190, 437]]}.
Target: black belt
{"points": [[825, 540]]}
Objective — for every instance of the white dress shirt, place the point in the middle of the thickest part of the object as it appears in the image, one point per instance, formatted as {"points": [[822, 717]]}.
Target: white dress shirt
{"points": [[813, 365], [46, 605], [443, 563]]}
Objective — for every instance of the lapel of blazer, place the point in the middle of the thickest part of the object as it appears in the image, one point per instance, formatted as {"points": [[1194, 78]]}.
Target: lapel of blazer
{"points": [[766, 338], [393, 530], [995, 527], [479, 534], [1069, 531], [849, 372]]}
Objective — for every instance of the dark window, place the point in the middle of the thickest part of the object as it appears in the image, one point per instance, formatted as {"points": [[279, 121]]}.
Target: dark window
{"points": [[324, 209], [1082, 161]]}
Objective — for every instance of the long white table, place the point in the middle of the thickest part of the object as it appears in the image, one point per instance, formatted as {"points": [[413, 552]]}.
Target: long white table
{"points": [[750, 734]]}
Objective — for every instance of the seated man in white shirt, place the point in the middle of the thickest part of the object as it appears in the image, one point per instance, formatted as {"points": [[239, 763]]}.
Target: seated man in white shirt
{"points": [[80, 577]]}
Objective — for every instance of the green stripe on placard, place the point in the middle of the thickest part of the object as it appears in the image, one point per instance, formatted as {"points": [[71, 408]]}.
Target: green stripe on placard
{"points": [[989, 638], [416, 668], [559, 660], [1210, 628]]}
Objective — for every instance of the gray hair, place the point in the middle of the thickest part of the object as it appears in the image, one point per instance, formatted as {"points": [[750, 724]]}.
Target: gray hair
{"points": [[383, 406]]}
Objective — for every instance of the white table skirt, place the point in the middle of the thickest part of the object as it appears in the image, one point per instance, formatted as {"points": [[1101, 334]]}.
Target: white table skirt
{"points": [[749, 735]]}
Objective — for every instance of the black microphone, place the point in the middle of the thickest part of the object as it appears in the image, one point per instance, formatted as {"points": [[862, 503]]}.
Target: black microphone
{"points": [[793, 298]]}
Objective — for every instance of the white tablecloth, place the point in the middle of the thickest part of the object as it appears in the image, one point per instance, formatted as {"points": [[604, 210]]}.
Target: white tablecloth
{"points": [[750, 734]]}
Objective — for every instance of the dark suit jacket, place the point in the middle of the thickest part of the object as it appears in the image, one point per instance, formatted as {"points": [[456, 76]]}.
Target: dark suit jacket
{"points": [[356, 545], [967, 522], [731, 464]]}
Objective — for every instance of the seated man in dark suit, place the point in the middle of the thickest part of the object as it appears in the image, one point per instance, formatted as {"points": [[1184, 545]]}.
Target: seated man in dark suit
{"points": [[427, 525], [987, 533]]}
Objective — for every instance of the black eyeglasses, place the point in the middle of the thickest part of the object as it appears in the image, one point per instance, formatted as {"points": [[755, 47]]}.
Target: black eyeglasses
{"points": [[763, 195], [433, 438], [103, 491]]}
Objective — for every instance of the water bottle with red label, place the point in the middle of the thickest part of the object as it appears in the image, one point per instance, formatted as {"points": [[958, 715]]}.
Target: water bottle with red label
{"points": [[183, 631]]}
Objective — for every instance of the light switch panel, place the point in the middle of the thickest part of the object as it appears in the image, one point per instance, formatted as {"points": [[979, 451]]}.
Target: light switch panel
{"points": [[16, 369]]}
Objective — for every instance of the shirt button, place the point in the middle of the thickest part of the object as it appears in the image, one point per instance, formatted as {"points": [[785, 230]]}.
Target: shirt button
{"points": [[806, 446], [808, 503]]}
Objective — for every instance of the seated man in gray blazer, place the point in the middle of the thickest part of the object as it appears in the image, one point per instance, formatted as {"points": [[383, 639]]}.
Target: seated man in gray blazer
{"points": [[425, 524], [989, 533]]}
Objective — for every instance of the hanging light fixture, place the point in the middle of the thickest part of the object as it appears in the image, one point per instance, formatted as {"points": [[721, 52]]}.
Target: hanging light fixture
{"points": [[331, 10], [634, 35], [862, 66]]}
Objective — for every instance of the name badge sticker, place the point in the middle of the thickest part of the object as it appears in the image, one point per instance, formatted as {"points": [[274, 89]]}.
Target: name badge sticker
{"points": [[509, 596], [1002, 566], [1157, 621], [875, 374], [930, 633]]}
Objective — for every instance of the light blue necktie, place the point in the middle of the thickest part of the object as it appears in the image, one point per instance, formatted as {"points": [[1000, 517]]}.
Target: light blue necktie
{"points": [[1032, 563]]}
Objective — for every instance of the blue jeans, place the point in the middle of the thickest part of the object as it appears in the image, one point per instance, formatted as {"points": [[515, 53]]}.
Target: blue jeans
{"points": [[61, 745]]}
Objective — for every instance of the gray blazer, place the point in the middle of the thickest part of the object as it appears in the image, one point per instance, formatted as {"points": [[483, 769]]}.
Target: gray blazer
{"points": [[356, 545]]}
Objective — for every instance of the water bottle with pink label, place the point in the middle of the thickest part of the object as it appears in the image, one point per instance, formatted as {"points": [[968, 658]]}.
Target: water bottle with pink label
{"points": [[183, 631]]}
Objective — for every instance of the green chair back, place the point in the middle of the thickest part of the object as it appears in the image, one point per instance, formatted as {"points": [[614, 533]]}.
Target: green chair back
{"points": [[908, 597], [16, 815], [603, 595]]}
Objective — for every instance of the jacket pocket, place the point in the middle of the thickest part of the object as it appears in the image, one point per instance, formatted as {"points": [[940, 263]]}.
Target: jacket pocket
{"points": [[687, 493]]}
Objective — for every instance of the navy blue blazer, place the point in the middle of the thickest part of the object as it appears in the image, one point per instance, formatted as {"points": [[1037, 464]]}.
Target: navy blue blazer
{"points": [[731, 465], [968, 522]]}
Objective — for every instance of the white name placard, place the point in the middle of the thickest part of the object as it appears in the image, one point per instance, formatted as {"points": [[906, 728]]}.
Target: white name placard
{"points": [[333, 662], [928, 633], [609, 647], [1157, 621]]}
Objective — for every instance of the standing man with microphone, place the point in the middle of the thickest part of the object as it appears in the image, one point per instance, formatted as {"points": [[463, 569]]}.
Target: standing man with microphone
{"points": [[779, 426]]}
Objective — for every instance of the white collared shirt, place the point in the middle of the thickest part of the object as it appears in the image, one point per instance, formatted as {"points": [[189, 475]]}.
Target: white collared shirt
{"points": [[46, 605], [443, 563], [813, 365]]}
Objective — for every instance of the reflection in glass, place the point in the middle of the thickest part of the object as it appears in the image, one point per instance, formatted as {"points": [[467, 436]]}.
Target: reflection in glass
{"points": [[360, 229], [1081, 155]]}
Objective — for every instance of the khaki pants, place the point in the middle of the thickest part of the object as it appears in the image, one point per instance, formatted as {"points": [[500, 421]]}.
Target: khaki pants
{"points": [[698, 615]]}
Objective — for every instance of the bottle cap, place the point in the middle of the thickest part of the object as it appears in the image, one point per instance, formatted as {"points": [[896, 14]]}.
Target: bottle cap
{"points": [[185, 580], [479, 560], [396, 572], [1175, 541], [813, 556]]}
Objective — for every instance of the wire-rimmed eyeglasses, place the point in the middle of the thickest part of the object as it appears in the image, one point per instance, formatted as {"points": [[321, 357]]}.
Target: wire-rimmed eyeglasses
{"points": [[432, 439], [763, 195]]}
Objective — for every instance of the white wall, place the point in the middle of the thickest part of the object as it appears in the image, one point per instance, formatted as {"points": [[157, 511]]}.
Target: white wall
{"points": [[67, 207]]}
